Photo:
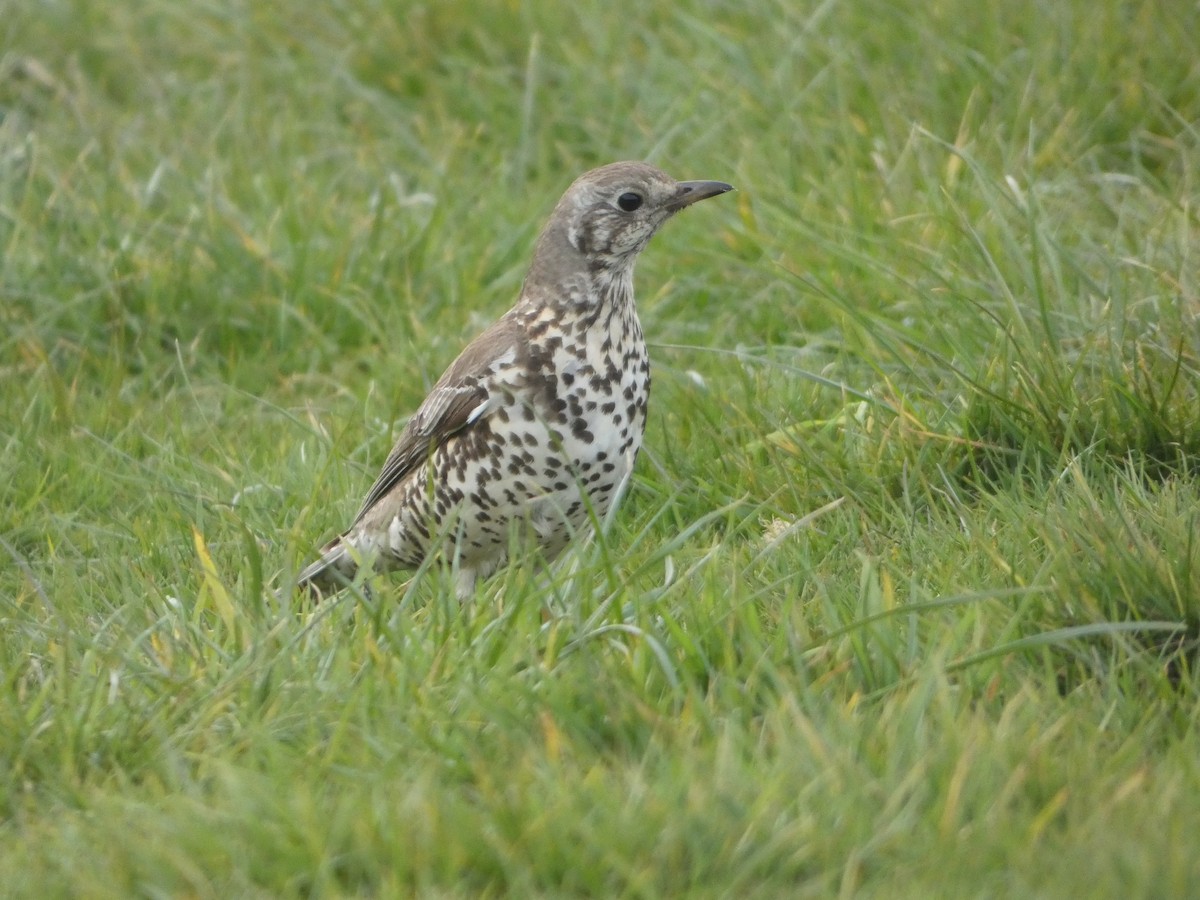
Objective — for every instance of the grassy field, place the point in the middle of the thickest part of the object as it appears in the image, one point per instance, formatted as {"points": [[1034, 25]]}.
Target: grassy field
{"points": [[904, 600]]}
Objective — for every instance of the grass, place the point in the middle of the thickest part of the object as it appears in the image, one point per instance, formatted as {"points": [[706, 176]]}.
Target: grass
{"points": [[904, 600]]}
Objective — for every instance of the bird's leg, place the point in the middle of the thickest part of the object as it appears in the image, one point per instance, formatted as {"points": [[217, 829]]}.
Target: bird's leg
{"points": [[464, 584]]}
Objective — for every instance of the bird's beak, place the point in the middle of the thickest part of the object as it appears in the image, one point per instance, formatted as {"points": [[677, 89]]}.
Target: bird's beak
{"points": [[693, 191]]}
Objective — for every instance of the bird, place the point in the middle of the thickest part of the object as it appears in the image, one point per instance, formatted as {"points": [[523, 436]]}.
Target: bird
{"points": [[536, 425]]}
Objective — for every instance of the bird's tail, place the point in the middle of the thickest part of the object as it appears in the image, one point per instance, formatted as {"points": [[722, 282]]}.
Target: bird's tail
{"points": [[333, 570]]}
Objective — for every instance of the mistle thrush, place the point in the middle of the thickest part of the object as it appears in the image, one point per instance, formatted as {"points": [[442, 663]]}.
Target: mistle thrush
{"points": [[537, 423]]}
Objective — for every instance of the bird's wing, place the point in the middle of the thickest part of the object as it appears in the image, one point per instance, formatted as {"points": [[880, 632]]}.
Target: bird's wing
{"points": [[460, 399]]}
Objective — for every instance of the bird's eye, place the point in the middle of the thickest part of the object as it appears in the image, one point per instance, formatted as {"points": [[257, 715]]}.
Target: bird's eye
{"points": [[629, 201]]}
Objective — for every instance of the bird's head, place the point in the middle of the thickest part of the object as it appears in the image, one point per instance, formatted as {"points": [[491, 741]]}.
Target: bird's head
{"points": [[609, 215]]}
